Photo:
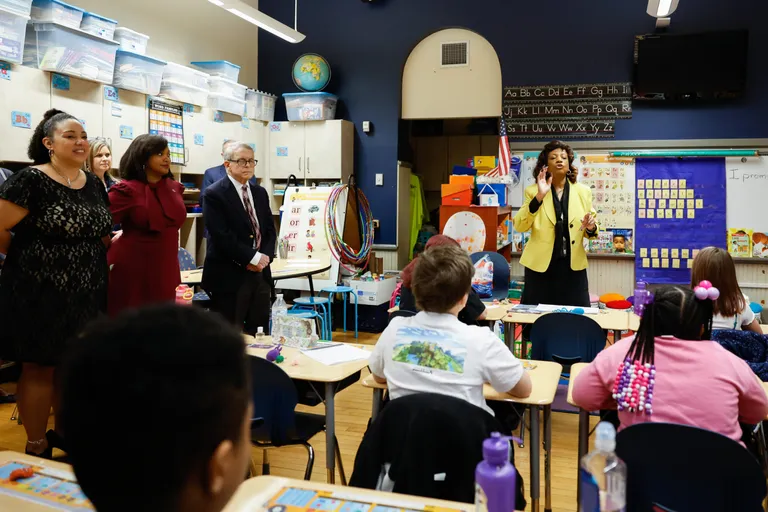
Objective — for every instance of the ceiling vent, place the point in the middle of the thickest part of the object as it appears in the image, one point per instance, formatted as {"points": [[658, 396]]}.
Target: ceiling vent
{"points": [[454, 54]]}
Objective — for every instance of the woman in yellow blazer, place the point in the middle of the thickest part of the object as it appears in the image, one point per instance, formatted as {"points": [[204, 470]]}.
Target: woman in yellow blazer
{"points": [[559, 213]]}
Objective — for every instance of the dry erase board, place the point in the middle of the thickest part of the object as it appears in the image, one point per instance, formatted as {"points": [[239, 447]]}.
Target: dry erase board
{"points": [[747, 193]]}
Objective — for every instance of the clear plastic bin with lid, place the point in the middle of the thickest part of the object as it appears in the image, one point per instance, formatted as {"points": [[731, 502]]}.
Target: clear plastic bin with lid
{"points": [[98, 25], [56, 11], [220, 68], [131, 41], [136, 72], [20, 7], [13, 31]]}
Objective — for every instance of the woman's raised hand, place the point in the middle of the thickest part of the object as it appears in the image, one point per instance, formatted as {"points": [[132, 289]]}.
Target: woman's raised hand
{"points": [[544, 184]]}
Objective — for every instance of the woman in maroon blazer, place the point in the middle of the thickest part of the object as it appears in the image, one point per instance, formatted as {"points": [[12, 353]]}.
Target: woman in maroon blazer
{"points": [[148, 204]]}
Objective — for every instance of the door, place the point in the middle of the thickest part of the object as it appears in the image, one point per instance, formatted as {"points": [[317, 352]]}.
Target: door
{"points": [[323, 149], [253, 132], [123, 121], [28, 94], [85, 101], [286, 150]]}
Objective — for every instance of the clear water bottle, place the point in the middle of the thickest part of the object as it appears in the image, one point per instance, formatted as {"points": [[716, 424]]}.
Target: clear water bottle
{"points": [[603, 476], [279, 309]]}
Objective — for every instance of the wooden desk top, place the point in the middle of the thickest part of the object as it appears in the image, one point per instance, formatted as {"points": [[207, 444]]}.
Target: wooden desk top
{"points": [[609, 320], [634, 322], [575, 370], [300, 367], [192, 277], [21, 505], [764, 327], [253, 494], [288, 269], [545, 378]]}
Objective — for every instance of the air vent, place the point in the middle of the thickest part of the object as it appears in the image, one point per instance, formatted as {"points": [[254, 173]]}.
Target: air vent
{"points": [[455, 54]]}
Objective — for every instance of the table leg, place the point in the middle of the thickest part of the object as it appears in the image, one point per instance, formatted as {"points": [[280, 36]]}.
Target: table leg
{"points": [[583, 444], [509, 336], [378, 395], [311, 286], [616, 335], [547, 458], [535, 448], [330, 431]]}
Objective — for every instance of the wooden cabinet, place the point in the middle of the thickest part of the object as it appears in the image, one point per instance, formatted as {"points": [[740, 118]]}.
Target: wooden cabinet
{"points": [[27, 92], [85, 101], [311, 150], [495, 218]]}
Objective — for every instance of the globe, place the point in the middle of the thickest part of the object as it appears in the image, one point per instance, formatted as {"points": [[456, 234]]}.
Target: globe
{"points": [[311, 72]]}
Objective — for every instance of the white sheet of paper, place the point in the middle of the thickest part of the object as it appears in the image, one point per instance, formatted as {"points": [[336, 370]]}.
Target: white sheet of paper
{"points": [[549, 308], [337, 355]]}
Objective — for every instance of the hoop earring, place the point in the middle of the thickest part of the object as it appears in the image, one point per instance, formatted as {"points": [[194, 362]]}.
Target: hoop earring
{"points": [[50, 153]]}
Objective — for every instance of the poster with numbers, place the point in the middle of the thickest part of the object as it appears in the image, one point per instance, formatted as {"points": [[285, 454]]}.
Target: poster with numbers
{"points": [[680, 210], [166, 119], [612, 181]]}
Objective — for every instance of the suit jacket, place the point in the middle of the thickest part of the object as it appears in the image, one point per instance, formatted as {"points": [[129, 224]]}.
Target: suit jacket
{"points": [[537, 254], [230, 237]]}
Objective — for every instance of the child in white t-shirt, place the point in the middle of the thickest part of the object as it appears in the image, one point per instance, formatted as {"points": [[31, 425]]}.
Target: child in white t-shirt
{"points": [[433, 352], [731, 310]]}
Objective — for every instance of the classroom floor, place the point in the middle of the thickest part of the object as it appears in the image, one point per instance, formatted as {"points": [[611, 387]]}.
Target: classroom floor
{"points": [[353, 409]]}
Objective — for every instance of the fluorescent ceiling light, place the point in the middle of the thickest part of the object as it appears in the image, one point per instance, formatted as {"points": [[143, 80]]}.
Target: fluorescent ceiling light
{"points": [[261, 20], [658, 8]]}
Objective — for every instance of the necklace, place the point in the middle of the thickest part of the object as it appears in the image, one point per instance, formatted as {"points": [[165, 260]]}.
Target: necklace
{"points": [[63, 176]]}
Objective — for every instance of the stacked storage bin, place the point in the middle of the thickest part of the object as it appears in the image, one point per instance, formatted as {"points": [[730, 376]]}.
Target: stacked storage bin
{"points": [[226, 94], [131, 41], [20, 7], [310, 106], [98, 25], [14, 15], [260, 105], [185, 85], [136, 72]]}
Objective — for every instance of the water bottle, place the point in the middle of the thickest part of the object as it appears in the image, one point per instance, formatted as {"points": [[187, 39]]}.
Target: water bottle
{"points": [[279, 309], [495, 477], [603, 476], [641, 297], [498, 329], [184, 295]]}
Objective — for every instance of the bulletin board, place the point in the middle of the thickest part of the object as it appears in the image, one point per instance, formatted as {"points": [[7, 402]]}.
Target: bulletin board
{"points": [[612, 181], [302, 224], [681, 208]]}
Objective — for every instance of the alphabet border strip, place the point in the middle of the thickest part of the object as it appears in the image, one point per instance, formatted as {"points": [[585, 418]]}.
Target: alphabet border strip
{"points": [[562, 129], [539, 93], [616, 109]]}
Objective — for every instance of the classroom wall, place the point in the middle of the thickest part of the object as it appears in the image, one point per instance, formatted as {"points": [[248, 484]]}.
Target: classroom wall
{"points": [[561, 42], [182, 31]]}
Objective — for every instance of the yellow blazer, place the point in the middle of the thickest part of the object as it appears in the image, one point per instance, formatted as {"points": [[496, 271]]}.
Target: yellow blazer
{"points": [[537, 253]]}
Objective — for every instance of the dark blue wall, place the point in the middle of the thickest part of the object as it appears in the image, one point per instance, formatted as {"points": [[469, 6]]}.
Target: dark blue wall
{"points": [[538, 42]]}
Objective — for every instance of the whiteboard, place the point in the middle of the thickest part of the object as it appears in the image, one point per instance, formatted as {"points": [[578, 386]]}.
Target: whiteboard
{"points": [[747, 193]]}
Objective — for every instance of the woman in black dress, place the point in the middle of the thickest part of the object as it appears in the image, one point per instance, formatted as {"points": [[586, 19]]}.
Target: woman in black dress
{"points": [[54, 279]]}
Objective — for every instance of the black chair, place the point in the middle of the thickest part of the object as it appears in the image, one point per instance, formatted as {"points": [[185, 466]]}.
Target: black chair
{"points": [[401, 312], [274, 403], [566, 338], [683, 468]]}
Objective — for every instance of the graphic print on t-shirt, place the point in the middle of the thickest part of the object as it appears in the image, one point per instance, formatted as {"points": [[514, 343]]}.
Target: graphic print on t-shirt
{"points": [[429, 348]]}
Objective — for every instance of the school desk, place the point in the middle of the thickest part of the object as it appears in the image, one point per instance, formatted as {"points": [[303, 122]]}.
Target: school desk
{"points": [[291, 269], [26, 499], [634, 322], [271, 492], [545, 378], [300, 367], [609, 320]]}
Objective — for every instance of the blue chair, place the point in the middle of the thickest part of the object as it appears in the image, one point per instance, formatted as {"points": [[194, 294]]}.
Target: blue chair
{"points": [[500, 273], [274, 403], [315, 304], [187, 262], [344, 290], [684, 468], [566, 338]]}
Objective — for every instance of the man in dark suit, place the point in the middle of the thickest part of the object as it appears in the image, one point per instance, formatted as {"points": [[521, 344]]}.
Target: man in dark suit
{"points": [[214, 174], [241, 243]]}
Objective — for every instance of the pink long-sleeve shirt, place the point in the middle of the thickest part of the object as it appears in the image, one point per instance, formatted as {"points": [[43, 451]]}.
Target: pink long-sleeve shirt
{"points": [[698, 383]]}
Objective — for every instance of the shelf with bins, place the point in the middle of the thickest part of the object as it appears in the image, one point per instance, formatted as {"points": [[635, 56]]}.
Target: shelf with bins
{"points": [[497, 222]]}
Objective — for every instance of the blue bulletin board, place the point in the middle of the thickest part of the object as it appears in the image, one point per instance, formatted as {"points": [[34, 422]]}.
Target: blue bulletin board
{"points": [[680, 209]]}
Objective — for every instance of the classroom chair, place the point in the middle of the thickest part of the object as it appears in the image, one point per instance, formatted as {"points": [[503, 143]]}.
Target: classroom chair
{"points": [[274, 403], [684, 468], [321, 305], [343, 290], [187, 262], [500, 273], [401, 312]]}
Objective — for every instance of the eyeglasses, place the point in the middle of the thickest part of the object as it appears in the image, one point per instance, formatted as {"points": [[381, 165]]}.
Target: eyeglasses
{"points": [[242, 162]]}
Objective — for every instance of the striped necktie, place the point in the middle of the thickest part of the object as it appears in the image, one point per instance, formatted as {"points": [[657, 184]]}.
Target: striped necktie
{"points": [[252, 216]]}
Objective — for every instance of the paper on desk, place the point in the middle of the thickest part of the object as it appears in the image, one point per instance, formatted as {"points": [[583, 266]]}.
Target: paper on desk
{"points": [[550, 308], [337, 355]]}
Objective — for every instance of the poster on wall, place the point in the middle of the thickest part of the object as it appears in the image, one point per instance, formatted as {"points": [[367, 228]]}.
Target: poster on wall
{"points": [[612, 181], [166, 120], [681, 208]]}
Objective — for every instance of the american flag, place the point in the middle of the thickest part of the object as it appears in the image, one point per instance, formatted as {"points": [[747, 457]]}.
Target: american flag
{"points": [[505, 155]]}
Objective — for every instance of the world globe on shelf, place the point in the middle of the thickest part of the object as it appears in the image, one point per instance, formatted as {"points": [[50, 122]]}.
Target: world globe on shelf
{"points": [[311, 72]]}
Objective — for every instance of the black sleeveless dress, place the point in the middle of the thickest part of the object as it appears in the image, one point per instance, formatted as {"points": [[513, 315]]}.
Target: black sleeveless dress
{"points": [[54, 279]]}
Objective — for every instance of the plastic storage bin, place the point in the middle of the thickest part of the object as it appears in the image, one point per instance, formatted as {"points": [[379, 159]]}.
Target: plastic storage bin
{"points": [[310, 106], [260, 105], [20, 7], [13, 30], [139, 73], [227, 88], [131, 41], [220, 68], [225, 103], [69, 51], [55, 11], [182, 74], [184, 93], [98, 25]]}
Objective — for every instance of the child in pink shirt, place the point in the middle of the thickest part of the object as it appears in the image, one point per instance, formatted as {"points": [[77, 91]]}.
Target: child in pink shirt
{"points": [[672, 373]]}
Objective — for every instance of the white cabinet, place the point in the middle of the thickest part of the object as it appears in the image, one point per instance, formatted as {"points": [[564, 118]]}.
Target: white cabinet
{"points": [[129, 113], [85, 101], [27, 92], [211, 134], [311, 150]]}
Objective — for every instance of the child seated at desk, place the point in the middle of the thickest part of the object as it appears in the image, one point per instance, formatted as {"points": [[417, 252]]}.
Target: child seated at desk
{"points": [[731, 309], [434, 352], [680, 376], [157, 411]]}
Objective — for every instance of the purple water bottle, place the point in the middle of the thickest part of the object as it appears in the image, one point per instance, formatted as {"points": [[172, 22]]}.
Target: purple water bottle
{"points": [[641, 298], [495, 477]]}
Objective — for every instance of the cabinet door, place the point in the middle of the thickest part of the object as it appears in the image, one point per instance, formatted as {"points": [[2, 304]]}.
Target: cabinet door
{"points": [[27, 92], [286, 150], [255, 133], [323, 149], [85, 101], [129, 113], [203, 149]]}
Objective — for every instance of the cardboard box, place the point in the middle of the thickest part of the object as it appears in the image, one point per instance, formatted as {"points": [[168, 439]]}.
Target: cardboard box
{"points": [[373, 293], [459, 195], [484, 162], [457, 179]]}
